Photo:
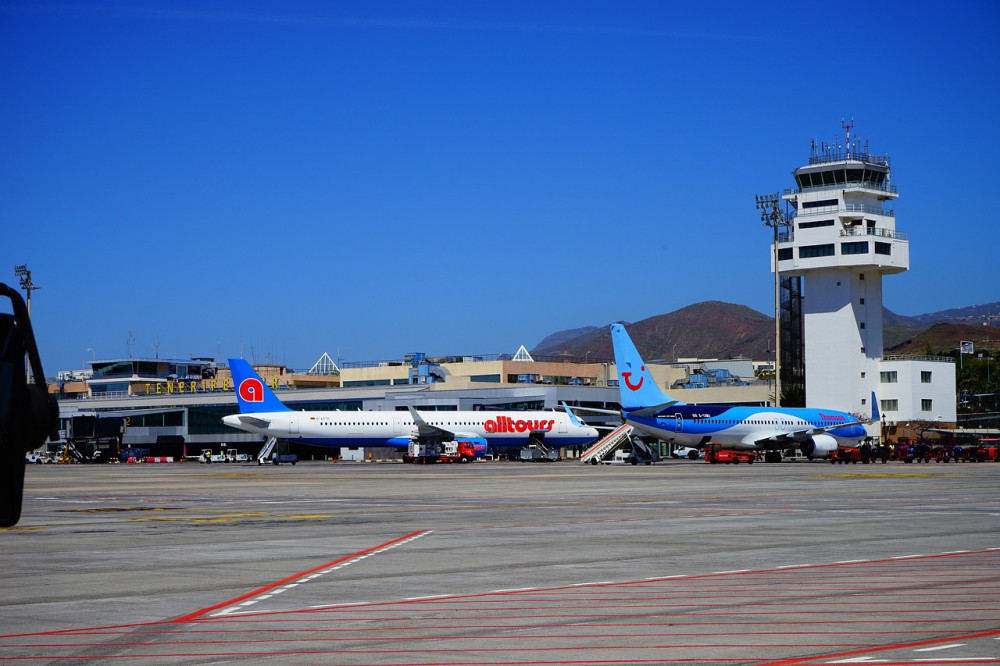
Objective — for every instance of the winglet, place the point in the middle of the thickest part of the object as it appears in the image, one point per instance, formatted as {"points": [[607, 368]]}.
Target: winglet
{"points": [[573, 418], [252, 394], [417, 419]]}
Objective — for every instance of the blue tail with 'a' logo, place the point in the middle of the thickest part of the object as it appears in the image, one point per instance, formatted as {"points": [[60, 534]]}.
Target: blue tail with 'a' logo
{"points": [[252, 393], [636, 387]]}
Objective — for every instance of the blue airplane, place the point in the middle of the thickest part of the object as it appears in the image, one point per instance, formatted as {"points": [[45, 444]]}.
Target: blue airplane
{"points": [[816, 432], [501, 431]]}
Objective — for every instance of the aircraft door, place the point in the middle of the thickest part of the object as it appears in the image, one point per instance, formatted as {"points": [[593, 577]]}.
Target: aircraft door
{"points": [[562, 424], [678, 423], [293, 424]]}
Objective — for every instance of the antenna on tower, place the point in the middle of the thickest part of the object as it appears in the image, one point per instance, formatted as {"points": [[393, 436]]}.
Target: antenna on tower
{"points": [[848, 128]]}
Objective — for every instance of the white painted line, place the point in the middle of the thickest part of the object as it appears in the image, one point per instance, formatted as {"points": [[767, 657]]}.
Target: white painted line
{"points": [[353, 603], [851, 561], [906, 557], [955, 552], [318, 574], [940, 647], [796, 566], [430, 596], [731, 572], [600, 582], [667, 577], [515, 589]]}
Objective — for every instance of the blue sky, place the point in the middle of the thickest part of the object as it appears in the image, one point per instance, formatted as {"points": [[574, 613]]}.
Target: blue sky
{"points": [[374, 178]]}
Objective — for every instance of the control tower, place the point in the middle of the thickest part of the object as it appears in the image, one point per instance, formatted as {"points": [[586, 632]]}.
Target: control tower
{"points": [[840, 240]]}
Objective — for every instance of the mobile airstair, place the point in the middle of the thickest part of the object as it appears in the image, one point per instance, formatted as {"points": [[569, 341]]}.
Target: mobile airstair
{"points": [[607, 444], [265, 452]]}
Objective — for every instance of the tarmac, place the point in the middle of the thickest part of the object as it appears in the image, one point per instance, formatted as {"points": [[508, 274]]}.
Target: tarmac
{"points": [[797, 563]]}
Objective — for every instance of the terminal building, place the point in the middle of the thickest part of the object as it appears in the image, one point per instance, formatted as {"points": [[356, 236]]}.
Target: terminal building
{"points": [[175, 407]]}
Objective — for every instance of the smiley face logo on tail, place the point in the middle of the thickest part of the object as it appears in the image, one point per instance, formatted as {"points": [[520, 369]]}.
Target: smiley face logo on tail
{"points": [[627, 376]]}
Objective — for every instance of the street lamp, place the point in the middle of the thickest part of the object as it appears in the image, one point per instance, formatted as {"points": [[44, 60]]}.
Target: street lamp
{"points": [[771, 217], [25, 275], [771, 368]]}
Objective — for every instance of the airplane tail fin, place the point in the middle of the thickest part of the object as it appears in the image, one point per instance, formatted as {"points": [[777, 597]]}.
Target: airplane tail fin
{"points": [[636, 387], [252, 393], [875, 414]]}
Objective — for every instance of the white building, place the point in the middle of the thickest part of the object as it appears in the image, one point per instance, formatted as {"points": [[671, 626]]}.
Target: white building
{"points": [[841, 239]]}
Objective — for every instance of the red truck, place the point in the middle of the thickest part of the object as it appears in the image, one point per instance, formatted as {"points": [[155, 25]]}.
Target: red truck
{"points": [[715, 454], [440, 452]]}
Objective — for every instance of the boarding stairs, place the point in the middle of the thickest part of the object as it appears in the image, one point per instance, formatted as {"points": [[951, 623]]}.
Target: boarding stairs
{"points": [[645, 451], [265, 452], [607, 444]]}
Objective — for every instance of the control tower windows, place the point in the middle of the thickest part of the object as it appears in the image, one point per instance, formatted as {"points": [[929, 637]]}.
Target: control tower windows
{"points": [[831, 177], [809, 251], [820, 204], [815, 223]]}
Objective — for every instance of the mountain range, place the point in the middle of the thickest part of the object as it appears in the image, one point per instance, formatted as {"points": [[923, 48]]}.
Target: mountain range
{"points": [[713, 329]]}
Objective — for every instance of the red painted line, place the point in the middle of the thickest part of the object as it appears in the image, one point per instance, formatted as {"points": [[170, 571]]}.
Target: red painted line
{"points": [[805, 661], [198, 614]]}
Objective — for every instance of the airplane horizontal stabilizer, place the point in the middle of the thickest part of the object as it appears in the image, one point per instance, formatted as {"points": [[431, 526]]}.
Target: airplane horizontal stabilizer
{"points": [[653, 411], [254, 421]]}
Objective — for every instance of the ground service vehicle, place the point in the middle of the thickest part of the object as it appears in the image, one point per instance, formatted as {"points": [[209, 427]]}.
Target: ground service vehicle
{"points": [[432, 452], [208, 457], [37, 458], [537, 453], [284, 458], [716, 454], [845, 455]]}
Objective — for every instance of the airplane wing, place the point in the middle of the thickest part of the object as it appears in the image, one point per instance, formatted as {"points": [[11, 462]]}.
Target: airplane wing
{"points": [[254, 421], [426, 431], [791, 437], [596, 410]]}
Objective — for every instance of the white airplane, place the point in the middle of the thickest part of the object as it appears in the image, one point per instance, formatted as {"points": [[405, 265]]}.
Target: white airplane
{"points": [[262, 412], [816, 432]]}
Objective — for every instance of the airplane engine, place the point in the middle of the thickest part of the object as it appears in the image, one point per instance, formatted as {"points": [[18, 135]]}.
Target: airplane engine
{"points": [[819, 446]]}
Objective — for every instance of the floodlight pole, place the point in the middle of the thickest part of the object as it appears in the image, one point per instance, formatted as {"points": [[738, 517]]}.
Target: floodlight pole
{"points": [[25, 275], [771, 217]]}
